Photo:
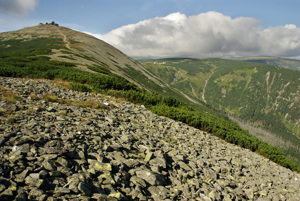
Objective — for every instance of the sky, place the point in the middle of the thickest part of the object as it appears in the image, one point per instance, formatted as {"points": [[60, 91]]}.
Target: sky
{"points": [[171, 28]]}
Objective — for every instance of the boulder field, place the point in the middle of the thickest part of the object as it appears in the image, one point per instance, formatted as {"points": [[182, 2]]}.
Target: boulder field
{"points": [[59, 144]]}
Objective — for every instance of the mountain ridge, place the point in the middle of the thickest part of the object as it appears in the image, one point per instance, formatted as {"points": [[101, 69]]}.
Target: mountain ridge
{"points": [[275, 61]]}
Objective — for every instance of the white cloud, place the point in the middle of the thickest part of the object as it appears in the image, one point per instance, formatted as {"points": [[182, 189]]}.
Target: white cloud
{"points": [[210, 34], [18, 7]]}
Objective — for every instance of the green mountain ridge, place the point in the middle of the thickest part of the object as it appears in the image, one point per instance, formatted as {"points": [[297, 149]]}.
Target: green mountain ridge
{"points": [[274, 61], [91, 65]]}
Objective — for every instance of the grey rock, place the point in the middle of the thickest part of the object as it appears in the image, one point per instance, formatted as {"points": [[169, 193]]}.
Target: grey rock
{"points": [[37, 194], [84, 188], [151, 177], [48, 165], [158, 192], [138, 181]]}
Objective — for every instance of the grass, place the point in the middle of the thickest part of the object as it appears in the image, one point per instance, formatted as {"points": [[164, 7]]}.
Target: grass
{"points": [[10, 97], [51, 98]]}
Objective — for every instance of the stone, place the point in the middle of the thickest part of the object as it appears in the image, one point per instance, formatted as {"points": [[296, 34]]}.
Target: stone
{"points": [[21, 195], [63, 161], [158, 192], [152, 178], [36, 194], [132, 163], [138, 181], [158, 162], [48, 165], [84, 188], [7, 195], [34, 182], [106, 178], [62, 191], [21, 177], [103, 166], [55, 174], [148, 157]]}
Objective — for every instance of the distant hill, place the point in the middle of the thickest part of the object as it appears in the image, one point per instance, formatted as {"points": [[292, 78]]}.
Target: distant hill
{"points": [[261, 95], [187, 90], [275, 61]]}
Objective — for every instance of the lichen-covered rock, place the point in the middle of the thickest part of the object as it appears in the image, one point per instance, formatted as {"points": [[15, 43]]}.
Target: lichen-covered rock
{"points": [[151, 177], [158, 192]]}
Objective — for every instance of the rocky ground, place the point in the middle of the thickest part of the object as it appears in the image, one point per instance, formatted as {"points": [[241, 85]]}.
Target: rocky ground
{"points": [[57, 144]]}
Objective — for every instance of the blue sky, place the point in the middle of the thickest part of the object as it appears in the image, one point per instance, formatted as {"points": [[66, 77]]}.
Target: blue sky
{"points": [[159, 27]]}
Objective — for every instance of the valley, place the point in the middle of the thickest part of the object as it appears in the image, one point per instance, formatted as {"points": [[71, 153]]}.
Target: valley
{"points": [[261, 95]]}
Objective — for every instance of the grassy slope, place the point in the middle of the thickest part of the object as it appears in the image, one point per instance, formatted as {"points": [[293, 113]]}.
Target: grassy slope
{"points": [[20, 58]]}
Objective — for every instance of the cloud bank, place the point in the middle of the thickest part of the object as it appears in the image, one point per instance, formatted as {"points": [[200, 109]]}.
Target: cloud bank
{"points": [[17, 7], [210, 34]]}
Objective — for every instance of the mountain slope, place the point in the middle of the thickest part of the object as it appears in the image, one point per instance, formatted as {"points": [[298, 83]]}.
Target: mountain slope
{"points": [[61, 54], [263, 95], [80, 48]]}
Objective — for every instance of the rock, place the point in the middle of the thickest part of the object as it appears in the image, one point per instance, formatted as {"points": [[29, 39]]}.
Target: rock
{"points": [[73, 182], [160, 162], [7, 195], [48, 165], [148, 157], [2, 187], [22, 195], [132, 163], [106, 178], [102, 166], [60, 191], [158, 192], [85, 188], [152, 178], [117, 195], [43, 174], [36, 194], [34, 182], [138, 181], [63, 161], [21, 177], [55, 174]]}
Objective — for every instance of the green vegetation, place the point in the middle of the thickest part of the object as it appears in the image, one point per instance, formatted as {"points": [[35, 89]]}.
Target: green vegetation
{"points": [[262, 95], [22, 59], [100, 69], [80, 87]]}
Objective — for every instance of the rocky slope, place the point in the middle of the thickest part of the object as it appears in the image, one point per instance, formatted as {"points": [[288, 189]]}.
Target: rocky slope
{"points": [[58, 144]]}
